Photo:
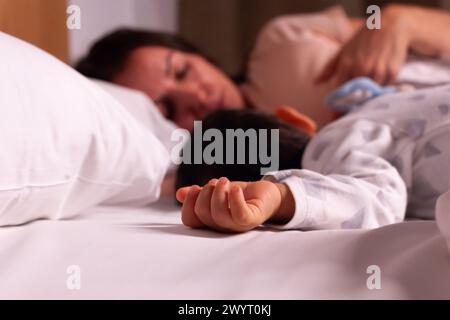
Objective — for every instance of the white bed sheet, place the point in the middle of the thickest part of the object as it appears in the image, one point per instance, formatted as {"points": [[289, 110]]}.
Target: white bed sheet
{"points": [[146, 253]]}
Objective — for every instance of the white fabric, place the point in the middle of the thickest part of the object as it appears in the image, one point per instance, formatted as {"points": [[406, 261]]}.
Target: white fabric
{"points": [[66, 145], [147, 254], [143, 109], [421, 71], [363, 170]]}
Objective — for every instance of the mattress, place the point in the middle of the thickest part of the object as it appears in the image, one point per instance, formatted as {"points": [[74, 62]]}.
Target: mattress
{"points": [[145, 253]]}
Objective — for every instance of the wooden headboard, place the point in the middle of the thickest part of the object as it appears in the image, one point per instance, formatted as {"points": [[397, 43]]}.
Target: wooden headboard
{"points": [[40, 22]]}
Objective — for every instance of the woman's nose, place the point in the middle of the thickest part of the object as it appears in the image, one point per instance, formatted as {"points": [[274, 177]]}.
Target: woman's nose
{"points": [[198, 93]]}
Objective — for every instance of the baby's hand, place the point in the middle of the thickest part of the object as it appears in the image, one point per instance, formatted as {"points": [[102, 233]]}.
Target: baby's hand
{"points": [[229, 206]]}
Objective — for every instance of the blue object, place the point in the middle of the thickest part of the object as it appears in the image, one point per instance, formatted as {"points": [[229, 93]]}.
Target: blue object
{"points": [[354, 93]]}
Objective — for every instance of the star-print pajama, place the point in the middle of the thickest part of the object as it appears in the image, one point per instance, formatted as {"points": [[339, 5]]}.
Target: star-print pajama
{"points": [[384, 162]]}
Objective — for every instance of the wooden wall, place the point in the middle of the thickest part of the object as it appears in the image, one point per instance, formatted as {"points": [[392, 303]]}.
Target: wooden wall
{"points": [[40, 22]]}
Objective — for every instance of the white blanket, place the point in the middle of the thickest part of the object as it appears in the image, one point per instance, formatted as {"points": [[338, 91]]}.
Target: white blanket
{"points": [[147, 254]]}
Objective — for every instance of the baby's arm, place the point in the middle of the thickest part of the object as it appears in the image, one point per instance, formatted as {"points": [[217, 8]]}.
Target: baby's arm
{"points": [[365, 197], [235, 206], [350, 183], [342, 201], [352, 186]]}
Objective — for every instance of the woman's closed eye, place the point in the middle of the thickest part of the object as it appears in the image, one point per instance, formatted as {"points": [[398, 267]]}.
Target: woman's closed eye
{"points": [[183, 73]]}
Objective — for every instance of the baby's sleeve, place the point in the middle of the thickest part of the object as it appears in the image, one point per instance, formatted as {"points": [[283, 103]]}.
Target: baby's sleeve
{"points": [[349, 183]]}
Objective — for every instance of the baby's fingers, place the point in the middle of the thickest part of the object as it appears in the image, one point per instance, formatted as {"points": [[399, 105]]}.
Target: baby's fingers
{"points": [[220, 212], [202, 206], [240, 210], [182, 193], [188, 216]]}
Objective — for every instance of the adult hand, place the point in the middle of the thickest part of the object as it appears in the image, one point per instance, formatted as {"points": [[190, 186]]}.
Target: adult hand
{"points": [[374, 53]]}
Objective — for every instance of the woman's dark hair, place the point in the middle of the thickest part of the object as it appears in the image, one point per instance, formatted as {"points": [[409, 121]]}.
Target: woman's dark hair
{"points": [[109, 54], [292, 144]]}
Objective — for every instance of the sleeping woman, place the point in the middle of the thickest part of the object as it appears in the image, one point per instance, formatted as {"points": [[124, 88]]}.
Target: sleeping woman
{"points": [[290, 54], [387, 161]]}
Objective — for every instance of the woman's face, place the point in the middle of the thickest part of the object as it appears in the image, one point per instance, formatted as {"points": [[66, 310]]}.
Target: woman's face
{"points": [[185, 87]]}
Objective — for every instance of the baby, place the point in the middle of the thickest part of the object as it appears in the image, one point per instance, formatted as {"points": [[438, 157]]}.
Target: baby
{"points": [[388, 159]]}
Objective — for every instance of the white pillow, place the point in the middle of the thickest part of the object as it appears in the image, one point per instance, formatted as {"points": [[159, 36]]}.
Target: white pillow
{"points": [[143, 109], [66, 144]]}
